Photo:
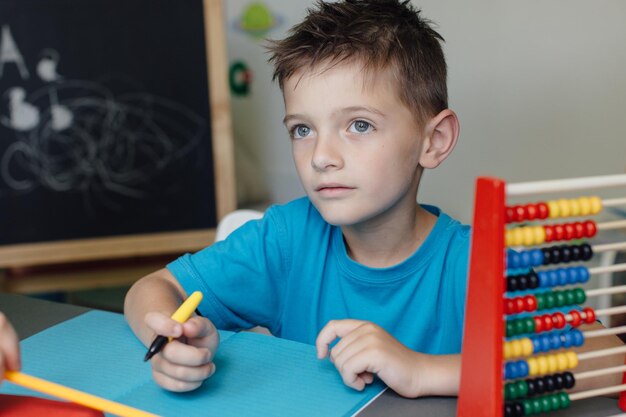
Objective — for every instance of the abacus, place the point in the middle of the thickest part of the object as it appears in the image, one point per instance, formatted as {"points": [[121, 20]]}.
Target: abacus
{"points": [[519, 330]]}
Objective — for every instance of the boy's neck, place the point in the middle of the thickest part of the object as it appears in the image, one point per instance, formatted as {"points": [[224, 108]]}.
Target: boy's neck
{"points": [[390, 243]]}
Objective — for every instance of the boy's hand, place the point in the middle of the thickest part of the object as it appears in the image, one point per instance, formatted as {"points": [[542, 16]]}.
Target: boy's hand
{"points": [[185, 362], [366, 349], [9, 347]]}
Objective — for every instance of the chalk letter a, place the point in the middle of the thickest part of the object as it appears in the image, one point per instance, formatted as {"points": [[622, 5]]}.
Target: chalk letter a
{"points": [[10, 53]]}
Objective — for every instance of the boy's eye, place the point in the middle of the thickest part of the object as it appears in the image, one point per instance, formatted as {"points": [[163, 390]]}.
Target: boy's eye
{"points": [[360, 126], [300, 131]]}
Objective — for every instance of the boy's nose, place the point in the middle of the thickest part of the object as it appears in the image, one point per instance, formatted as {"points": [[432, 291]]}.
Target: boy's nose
{"points": [[326, 154]]}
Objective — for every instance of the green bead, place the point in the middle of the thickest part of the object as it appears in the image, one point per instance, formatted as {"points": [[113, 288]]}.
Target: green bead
{"points": [[528, 407], [541, 302], [545, 404], [570, 299], [555, 402], [536, 403], [510, 328], [522, 389], [564, 399], [550, 301], [580, 295], [529, 325], [559, 298], [510, 391], [520, 326]]}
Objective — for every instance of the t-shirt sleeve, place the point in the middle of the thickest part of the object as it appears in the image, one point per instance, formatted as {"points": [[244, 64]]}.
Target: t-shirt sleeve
{"points": [[242, 277]]}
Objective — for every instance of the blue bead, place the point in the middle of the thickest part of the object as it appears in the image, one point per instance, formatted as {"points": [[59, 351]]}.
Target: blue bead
{"points": [[525, 259], [536, 344], [545, 343], [584, 274], [563, 276], [544, 280], [566, 339], [578, 338], [510, 370], [536, 256], [555, 341], [513, 260], [522, 369], [553, 277], [574, 275]]}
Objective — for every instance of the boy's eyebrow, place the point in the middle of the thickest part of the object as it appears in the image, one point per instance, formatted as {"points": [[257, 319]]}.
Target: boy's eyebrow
{"points": [[350, 109]]}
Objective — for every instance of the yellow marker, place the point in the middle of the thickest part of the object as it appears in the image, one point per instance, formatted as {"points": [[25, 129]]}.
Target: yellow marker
{"points": [[181, 315], [75, 396]]}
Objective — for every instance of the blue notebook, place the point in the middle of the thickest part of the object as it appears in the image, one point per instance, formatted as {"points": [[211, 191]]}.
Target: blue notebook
{"points": [[256, 374]]}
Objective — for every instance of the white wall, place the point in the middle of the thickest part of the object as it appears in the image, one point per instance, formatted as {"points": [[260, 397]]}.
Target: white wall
{"points": [[539, 87]]}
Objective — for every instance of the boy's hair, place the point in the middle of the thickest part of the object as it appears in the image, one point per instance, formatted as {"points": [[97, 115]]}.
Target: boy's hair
{"points": [[379, 34]]}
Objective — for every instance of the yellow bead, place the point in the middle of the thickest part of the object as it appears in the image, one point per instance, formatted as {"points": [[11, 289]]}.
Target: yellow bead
{"points": [[585, 206], [506, 350], [529, 236], [533, 366], [574, 207], [564, 207], [508, 238], [572, 360], [553, 364], [518, 236], [553, 209], [527, 347], [540, 235], [542, 361], [562, 359], [596, 205], [516, 348]]}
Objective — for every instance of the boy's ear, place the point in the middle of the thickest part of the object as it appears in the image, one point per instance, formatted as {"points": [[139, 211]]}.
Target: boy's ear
{"points": [[441, 134]]}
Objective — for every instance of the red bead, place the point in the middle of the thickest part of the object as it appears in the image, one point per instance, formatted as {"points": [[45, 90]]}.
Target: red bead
{"points": [[508, 214], [570, 231], [559, 232], [538, 324], [547, 322], [542, 211], [519, 304], [590, 315], [576, 318], [509, 306], [590, 228], [519, 213], [579, 230], [558, 319], [531, 303], [549, 232], [531, 211]]}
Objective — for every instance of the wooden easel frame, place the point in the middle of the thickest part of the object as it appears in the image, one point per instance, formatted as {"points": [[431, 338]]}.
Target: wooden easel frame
{"points": [[44, 253]]}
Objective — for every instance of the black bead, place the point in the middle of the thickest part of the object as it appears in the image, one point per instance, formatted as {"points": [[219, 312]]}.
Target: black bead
{"points": [[508, 410], [587, 252], [568, 380], [547, 256], [518, 409], [533, 280], [555, 254], [540, 386], [566, 254], [511, 283], [558, 381], [575, 252], [522, 282], [530, 383], [548, 380]]}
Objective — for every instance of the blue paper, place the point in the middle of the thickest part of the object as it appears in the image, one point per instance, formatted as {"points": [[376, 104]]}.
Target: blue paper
{"points": [[256, 374]]}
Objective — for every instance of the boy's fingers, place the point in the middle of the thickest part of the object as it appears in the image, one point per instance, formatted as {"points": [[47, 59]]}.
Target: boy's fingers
{"points": [[333, 330], [163, 325], [183, 354]]}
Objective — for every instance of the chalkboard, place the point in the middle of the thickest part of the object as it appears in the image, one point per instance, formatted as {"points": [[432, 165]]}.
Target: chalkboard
{"points": [[115, 135]]}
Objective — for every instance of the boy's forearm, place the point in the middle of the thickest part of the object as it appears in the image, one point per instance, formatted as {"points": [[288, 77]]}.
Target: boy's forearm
{"points": [[155, 292], [439, 375]]}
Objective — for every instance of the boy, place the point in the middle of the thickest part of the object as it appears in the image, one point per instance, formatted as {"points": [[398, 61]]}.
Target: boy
{"points": [[357, 260], [9, 347]]}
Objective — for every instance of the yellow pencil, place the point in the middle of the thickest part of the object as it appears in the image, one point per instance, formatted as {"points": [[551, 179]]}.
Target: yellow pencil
{"points": [[73, 395]]}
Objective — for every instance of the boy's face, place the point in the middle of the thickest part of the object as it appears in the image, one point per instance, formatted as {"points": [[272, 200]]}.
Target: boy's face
{"points": [[356, 147]]}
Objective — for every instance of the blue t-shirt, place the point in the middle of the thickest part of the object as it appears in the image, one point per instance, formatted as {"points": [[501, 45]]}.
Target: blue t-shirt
{"points": [[290, 272]]}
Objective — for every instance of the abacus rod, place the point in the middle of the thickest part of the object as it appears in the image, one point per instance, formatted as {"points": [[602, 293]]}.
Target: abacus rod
{"points": [[609, 246], [608, 311], [617, 224], [600, 353], [610, 268], [571, 184], [618, 289], [597, 392], [604, 332], [614, 202], [600, 372]]}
